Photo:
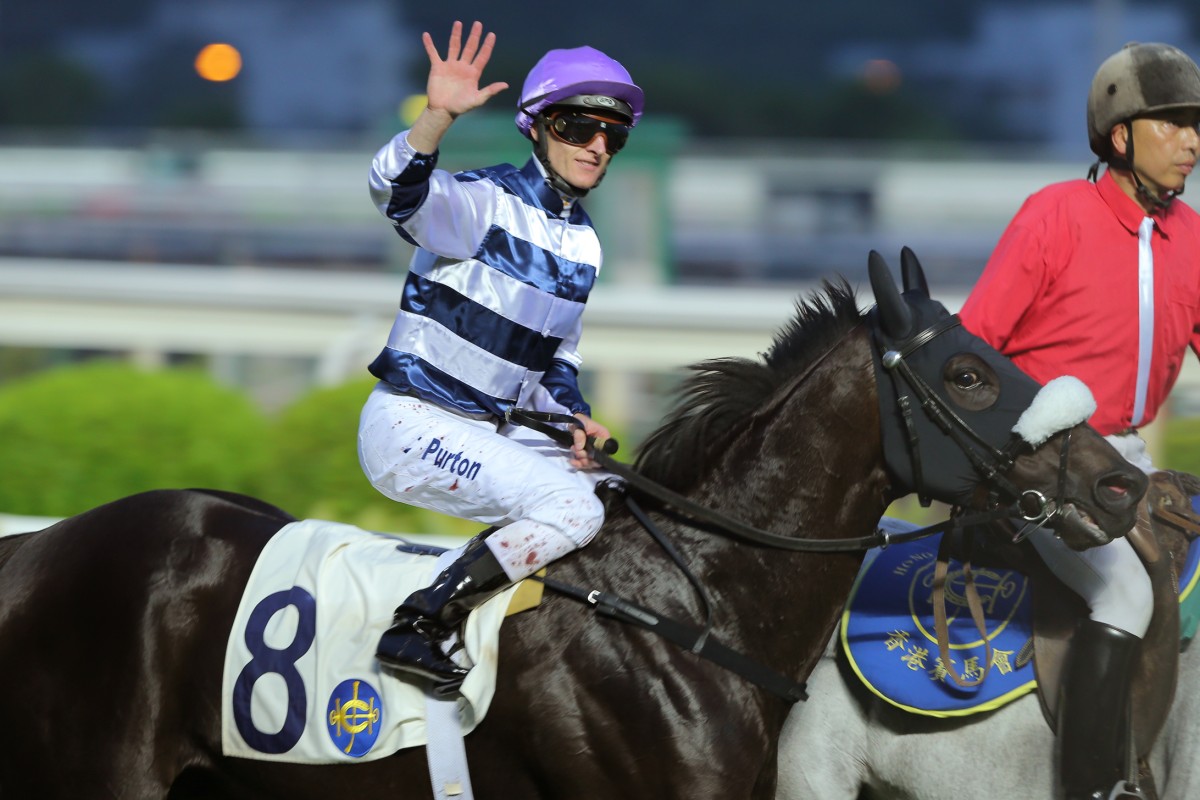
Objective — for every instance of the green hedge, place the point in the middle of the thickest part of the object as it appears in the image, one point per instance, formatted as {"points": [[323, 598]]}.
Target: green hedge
{"points": [[75, 437], [78, 436]]}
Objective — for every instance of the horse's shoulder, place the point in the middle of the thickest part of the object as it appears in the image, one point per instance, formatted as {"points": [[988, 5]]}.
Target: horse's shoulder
{"points": [[10, 544]]}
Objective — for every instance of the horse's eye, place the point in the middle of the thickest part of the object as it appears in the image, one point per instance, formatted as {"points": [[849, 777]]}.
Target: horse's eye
{"points": [[967, 379]]}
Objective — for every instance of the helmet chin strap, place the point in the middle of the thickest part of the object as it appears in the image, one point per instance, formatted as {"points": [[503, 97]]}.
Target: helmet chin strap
{"points": [[556, 181], [1142, 189]]}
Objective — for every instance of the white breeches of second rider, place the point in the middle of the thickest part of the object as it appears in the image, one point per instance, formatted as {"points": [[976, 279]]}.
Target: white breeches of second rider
{"points": [[424, 455]]}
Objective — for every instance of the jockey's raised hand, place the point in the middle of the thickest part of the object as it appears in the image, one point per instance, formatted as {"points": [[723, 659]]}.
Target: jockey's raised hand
{"points": [[453, 85]]}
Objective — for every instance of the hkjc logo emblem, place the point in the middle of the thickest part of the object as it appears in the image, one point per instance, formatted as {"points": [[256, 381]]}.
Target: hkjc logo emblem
{"points": [[355, 714]]}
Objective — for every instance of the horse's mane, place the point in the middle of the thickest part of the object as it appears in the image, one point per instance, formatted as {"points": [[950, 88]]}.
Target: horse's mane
{"points": [[722, 393]]}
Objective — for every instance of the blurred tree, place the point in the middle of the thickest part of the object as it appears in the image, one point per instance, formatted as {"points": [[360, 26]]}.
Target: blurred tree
{"points": [[46, 90], [1181, 445], [849, 110], [80, 436], [167, 92], [208, 110]]}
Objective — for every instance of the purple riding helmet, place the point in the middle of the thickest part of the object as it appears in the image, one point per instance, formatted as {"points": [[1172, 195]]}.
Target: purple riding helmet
{"points": [[579, 77]]}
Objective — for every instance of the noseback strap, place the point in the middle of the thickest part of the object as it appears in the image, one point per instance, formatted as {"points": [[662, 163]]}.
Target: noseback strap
{"points": [[929, 334]]}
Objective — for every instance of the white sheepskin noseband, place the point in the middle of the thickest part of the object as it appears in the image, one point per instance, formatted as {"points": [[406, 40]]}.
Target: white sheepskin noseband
{"points": [[1062, 403]]}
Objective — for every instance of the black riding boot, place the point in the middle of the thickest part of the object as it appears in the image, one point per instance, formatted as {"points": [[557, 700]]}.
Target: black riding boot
{"points": [[429, 616], [1093, 727]]}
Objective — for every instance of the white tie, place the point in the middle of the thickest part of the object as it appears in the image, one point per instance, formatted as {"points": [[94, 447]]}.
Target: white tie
{"points": [[1145, 317]]}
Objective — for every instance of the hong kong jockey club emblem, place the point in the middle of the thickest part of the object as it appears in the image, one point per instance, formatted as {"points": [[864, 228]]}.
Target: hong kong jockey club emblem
{"points": [[888, 633], [355, 714]]}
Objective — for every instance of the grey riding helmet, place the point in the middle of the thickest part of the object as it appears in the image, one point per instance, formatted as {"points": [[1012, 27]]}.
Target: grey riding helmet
{"points": [[1139, 79]]}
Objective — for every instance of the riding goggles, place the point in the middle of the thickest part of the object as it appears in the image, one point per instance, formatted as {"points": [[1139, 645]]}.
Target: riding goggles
{"points": [[579, 129]]}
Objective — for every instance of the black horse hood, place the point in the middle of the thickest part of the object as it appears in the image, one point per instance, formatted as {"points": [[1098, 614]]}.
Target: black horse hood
{"points": [[926, 335]]}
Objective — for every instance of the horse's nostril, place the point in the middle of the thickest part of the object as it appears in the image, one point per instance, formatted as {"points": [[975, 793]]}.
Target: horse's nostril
{"points": [[1118, 490]]}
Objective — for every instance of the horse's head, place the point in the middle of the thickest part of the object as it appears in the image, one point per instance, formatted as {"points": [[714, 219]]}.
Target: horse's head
{"points": [[962, 424]]}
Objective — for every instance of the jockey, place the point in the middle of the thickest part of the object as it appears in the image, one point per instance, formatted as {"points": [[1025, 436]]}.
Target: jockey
{"points": [[1101, 278], [489, 320]]}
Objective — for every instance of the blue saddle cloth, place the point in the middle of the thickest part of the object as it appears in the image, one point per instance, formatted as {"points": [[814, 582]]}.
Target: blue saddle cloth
{"points": [[887, 629], [888, 632], [1189, 600]]}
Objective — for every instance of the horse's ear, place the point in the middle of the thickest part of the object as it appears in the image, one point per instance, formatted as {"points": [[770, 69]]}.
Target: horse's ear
{"points": [[914, 275], [894, 314]]}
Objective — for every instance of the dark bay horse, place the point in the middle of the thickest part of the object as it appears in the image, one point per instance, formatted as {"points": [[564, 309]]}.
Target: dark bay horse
{"points": [[113, 623]]}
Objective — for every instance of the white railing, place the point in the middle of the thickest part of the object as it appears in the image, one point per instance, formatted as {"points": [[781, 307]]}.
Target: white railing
{"points": [[11, 524]]}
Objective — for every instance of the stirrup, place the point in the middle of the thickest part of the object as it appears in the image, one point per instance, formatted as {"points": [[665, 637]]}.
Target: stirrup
{"points": [[450, 687], [410, 667], [414, 653], [1125, 790], [441, 685]]}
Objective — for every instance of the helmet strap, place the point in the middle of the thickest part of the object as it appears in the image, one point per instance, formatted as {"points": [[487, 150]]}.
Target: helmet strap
{"points": [[542, 150], [1142, 189]]}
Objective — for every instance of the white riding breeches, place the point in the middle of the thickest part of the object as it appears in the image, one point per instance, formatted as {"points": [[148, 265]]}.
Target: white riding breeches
{"points": [[424, 455], [1110, 578]]}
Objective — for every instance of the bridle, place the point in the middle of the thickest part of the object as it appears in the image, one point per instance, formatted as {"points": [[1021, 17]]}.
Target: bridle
{"points": [[1031, 506], [989, 461]]}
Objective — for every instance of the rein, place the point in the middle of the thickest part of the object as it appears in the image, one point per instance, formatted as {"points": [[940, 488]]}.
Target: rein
{"points": [[1031, 506], [699, 641], [713, 519]]}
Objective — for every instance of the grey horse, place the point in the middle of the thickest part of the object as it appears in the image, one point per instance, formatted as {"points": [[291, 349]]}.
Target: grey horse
{"points": [[846, 744]]}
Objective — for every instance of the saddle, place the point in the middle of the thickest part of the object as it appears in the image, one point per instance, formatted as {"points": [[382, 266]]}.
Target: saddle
{"points": [[1165, 526]]}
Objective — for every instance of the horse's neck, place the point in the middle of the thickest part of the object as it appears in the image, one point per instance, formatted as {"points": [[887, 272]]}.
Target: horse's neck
{"points": [[813, 470], [816, 462], [10, 544]]}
